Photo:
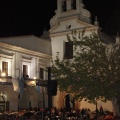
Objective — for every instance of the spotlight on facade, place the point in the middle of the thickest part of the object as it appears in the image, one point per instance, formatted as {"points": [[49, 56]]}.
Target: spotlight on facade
{"points": [[30, 82], [4, 78], [3, 74]]}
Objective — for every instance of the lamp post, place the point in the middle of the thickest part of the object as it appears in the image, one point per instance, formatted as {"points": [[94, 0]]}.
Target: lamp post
{"points": [[43, 104], [49, 92]]}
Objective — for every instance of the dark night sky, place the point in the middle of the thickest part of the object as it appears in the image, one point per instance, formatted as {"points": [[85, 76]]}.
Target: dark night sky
{"points": [[23, 17]]}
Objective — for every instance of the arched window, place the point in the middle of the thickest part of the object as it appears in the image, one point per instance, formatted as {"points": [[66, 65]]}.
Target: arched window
{"points": [[69, 102]]}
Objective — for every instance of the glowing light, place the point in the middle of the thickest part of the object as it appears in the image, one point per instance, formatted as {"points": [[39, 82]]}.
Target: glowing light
{"points": [[31, 82], [3, 74], [2, 77]]}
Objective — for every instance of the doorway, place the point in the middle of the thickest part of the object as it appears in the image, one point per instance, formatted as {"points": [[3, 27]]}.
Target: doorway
{"points": [[69, 102], [2, 103]]}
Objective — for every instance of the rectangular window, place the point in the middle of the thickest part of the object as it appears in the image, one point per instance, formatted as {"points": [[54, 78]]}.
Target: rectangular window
{"points": [[41, 75], [68, 50], [25, 71], [5, 67]]}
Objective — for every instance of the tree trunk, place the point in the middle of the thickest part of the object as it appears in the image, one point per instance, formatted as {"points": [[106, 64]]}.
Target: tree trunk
{"points": [[116, 106]]}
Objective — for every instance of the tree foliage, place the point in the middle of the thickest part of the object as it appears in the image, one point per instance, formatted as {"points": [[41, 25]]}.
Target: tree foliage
{"points": [[94, 71]]}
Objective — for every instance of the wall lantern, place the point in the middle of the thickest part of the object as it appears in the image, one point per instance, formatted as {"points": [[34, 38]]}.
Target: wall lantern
{"points": [[3, 77]]}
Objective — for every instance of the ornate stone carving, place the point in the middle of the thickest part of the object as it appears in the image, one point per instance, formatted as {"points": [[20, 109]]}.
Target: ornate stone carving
{"points": [[85, 13], [53, 19]]}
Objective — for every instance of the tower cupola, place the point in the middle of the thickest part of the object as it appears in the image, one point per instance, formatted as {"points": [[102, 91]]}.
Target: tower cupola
{"points": [[70, 8]]}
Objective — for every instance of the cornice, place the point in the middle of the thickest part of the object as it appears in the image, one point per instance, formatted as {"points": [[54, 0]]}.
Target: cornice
{"points": [[23, 50], [6, 53], [57, 24], [65, 32], [68, 18], [68, 13], [26, 57]]}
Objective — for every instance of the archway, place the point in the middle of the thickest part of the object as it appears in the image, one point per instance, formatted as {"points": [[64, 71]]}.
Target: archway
{"points": [[2, 103], [69, 102]]}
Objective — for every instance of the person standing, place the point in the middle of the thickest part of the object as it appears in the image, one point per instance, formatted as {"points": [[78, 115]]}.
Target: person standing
{"points": [[101, 110]]}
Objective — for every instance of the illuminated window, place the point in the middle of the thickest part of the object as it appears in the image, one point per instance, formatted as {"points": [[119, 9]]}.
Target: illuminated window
{"points": [[5, 67]]}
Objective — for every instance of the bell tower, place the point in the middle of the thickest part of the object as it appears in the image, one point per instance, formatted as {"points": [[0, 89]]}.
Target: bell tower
{"points": [[66, 5], [70, 16], [70, 8]]}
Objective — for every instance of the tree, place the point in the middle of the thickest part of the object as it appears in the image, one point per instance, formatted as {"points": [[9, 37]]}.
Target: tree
{"points": [[94, 71]]}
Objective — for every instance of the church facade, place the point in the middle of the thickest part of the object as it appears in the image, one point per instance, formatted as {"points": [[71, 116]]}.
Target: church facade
{"points": [[23, 60], [71, 16]]}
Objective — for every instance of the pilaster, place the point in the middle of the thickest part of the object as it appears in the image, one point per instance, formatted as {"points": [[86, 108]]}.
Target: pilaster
{"points": [[68, 5], [59, 7]]}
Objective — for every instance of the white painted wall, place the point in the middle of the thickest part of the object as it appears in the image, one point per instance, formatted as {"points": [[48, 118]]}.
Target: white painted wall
{"points": [[58, 33], [22, 56]]}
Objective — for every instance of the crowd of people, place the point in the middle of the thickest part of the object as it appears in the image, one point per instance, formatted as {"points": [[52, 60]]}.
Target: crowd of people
{"points": [[58, 114]]}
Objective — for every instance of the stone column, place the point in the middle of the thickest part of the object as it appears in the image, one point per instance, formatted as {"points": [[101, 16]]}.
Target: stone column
{"points": [[78, 2], [59, 6], [68, 5], [18, 65]]}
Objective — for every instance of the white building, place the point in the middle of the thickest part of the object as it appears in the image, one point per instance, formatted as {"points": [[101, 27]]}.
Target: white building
{"points": [[29, 55], [23, 56], [70, 15]]}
